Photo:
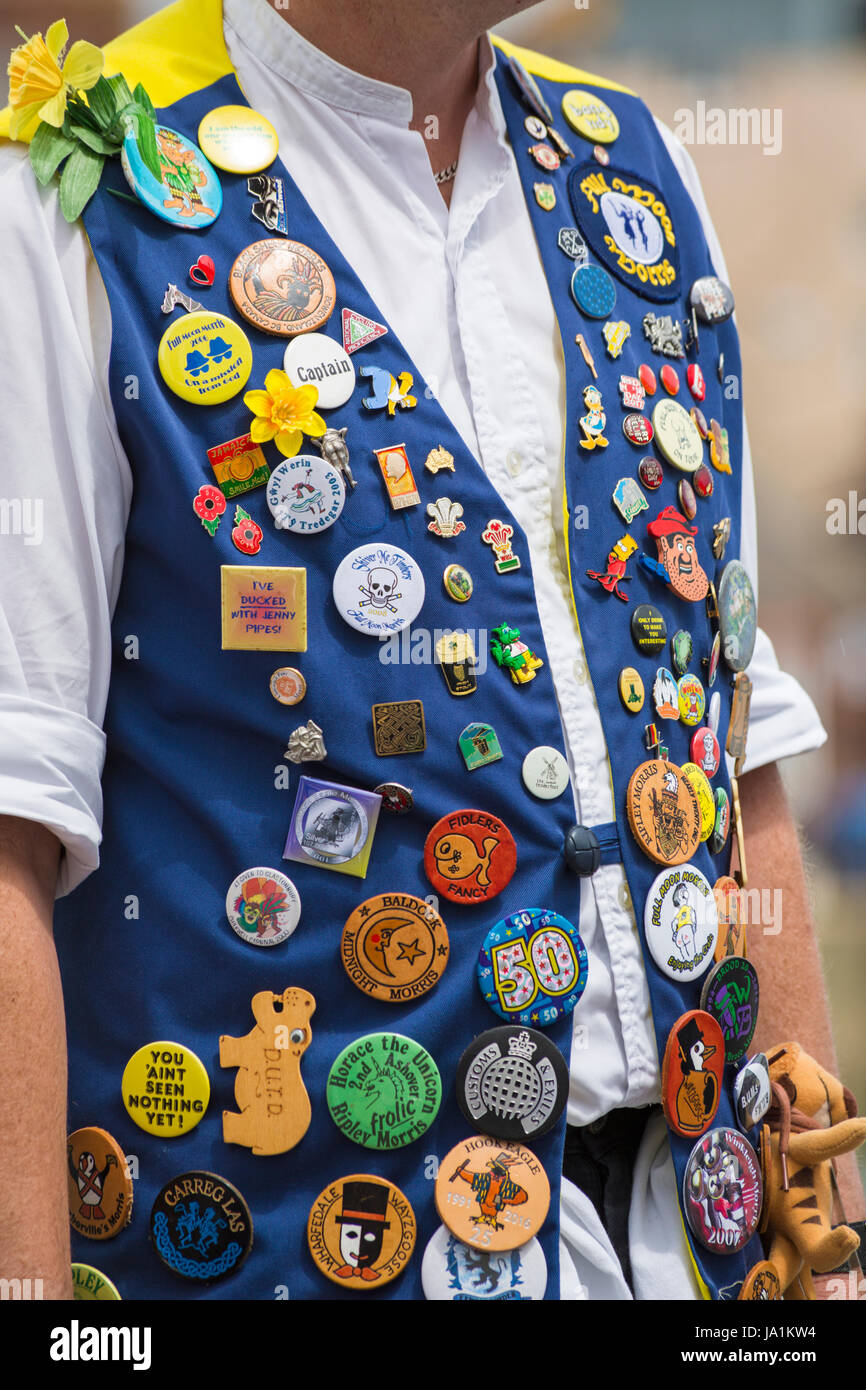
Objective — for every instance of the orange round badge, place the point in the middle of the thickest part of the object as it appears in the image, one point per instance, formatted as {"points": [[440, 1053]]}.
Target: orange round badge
{"points": [[282, 287], [361, 1232], [762, 1284], [99, 1185], [492, 1194], [394, 947], [470, 856], [692, 1073], [663, 812], [732, 928]]}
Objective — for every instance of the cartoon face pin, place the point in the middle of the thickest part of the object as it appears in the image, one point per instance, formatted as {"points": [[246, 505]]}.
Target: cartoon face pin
{"points": [[678, 556]]}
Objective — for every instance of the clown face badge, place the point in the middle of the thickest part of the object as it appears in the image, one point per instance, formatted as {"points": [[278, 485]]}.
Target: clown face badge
{"points": [[677, 564]]}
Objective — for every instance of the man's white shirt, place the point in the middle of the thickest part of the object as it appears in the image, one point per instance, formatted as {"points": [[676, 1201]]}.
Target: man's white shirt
{"points": [[465, 291]]}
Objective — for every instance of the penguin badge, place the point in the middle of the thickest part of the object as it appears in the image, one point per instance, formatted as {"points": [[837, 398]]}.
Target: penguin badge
{"points": [[100, 1188], [692, 1072]]}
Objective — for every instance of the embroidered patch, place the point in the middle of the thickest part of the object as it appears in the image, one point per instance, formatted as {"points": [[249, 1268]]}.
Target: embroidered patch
{"points": [[628, 227]]}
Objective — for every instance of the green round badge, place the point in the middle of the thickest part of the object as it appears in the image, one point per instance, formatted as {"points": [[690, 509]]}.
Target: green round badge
{"points": [[384, 1091]]}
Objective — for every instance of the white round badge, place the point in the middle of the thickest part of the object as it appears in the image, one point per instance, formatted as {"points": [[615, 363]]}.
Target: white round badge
{"points": [[681, 922], [263, 907], [314, 359], [452, 1272], [378, 589], [635, 229], [677, 436], [305, 494], [545, 772]]}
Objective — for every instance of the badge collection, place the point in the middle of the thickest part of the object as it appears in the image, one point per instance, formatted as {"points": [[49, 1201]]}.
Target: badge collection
{"points": [[385, 1089]]}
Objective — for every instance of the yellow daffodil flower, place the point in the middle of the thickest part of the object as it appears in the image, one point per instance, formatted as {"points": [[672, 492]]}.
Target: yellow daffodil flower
{"points": [[40, 78], [284, 413]]}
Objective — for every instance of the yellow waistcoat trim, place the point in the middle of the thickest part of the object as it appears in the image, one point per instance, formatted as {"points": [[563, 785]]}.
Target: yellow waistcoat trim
{"points": [[553, 70]]}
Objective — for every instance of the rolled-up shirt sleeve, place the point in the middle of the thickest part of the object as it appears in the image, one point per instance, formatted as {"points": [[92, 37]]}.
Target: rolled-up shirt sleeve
{"points": [[783, 720], [64, 502]]}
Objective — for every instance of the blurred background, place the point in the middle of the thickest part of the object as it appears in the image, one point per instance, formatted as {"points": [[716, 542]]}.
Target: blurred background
{"points": [[793, 228]]}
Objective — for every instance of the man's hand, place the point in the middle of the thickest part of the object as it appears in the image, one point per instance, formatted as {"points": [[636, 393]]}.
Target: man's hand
{"points": [[793, 1005], [34, 1215]]}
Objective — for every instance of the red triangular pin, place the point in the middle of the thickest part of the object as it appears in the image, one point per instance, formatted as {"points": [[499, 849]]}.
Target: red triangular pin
{"points": [[358, 331]]}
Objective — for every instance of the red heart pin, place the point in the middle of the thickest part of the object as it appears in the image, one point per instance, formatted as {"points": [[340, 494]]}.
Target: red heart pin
{"points": [[203, 272]]}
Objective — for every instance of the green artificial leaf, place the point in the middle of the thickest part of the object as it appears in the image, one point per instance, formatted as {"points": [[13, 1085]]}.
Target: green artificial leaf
{"points": [[120, 88], [48, 148], [79, 181], [79, 112], [140, 95], [147, 146], [94, 139], [102, 102]]}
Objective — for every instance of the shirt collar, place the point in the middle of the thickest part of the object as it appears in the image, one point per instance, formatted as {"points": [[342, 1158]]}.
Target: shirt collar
{"points": [[285, 52]]}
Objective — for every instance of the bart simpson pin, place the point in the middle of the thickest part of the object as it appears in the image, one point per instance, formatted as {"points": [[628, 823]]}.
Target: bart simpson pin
{"points": [[609, 579]]}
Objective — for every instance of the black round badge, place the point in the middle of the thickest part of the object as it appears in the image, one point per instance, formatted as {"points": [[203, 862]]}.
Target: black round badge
{"points": [[648, 628], [512, 1083], [712, 298], [730, 993], [201, 1227]]}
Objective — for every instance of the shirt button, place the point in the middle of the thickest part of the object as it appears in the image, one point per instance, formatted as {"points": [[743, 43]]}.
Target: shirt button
{"points": [[513, 462], [580, 670], [624, 896]]}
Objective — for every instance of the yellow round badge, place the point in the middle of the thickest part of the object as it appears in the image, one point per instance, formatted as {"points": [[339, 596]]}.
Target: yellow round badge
{"points": [[238, 139], [699, 783], [585, 112], [165, 1089], [205, 358], [89, 1285]]}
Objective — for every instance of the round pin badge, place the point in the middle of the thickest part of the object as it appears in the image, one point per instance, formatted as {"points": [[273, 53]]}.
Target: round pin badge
{"points": [[530, 91], [189, 193], [712, 299], [648, 629], [305, 494], [677, 436], [712, 661], [702, 481], [331, 824], [282, 287], [631, 689], [314, 359], [534, 126], [458, 583], [687, 499], [722, 1191], [492, 1194], [532, 967], [699, 784], [681, 651], [593, 291], [669, 379], [165, 1089], [394, 947], [704, 750], [693, 1073], [512, 1082], [470, 856], [738, 615], [238, 139], [691, 700], [545, 772], [452, 1272], [731, 994], [638, 430], [647, 378], [361, 1232], [761, 1285], [590, 117], [752, 1091], [201, 1227], [545, 157], [714, 711], [263, 907], [90, 1285], [396, 798], [732, 928], [680, 922], [719, 837], [378, 589], [204, 358], [98, 1183], [383, 1091], [699, 420], [287, 685], [663, 812], [650, 472]]}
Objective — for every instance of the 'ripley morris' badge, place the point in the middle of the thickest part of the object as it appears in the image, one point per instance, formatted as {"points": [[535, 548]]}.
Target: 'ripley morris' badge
{"points": [[663, 812]]}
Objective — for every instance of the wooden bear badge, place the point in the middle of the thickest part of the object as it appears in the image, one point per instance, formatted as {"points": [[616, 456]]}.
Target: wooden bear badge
{"points": [[274, 1105]]}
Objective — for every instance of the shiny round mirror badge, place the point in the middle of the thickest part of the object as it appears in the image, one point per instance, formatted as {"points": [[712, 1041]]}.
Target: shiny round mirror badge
{"points": [[165, 1089], [263, 907], [305, 494], [204, 358], [189, 193], [238, 139]]}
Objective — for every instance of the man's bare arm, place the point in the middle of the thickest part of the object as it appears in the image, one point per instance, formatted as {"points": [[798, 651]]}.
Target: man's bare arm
{"points": [[793, 1004], [34, 1215]]}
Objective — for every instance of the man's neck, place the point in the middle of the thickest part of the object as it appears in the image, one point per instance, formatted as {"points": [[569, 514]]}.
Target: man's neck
{"points": [[428, 49]]}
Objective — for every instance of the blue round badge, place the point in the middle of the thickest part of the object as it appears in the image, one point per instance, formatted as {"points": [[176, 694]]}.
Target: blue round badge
{"points": [[189, 194], [532, 967], [593, 291]]}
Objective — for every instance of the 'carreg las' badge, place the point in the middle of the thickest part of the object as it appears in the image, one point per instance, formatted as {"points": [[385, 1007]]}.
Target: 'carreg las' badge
{"points": [[201, 1227], [628, 226]]}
